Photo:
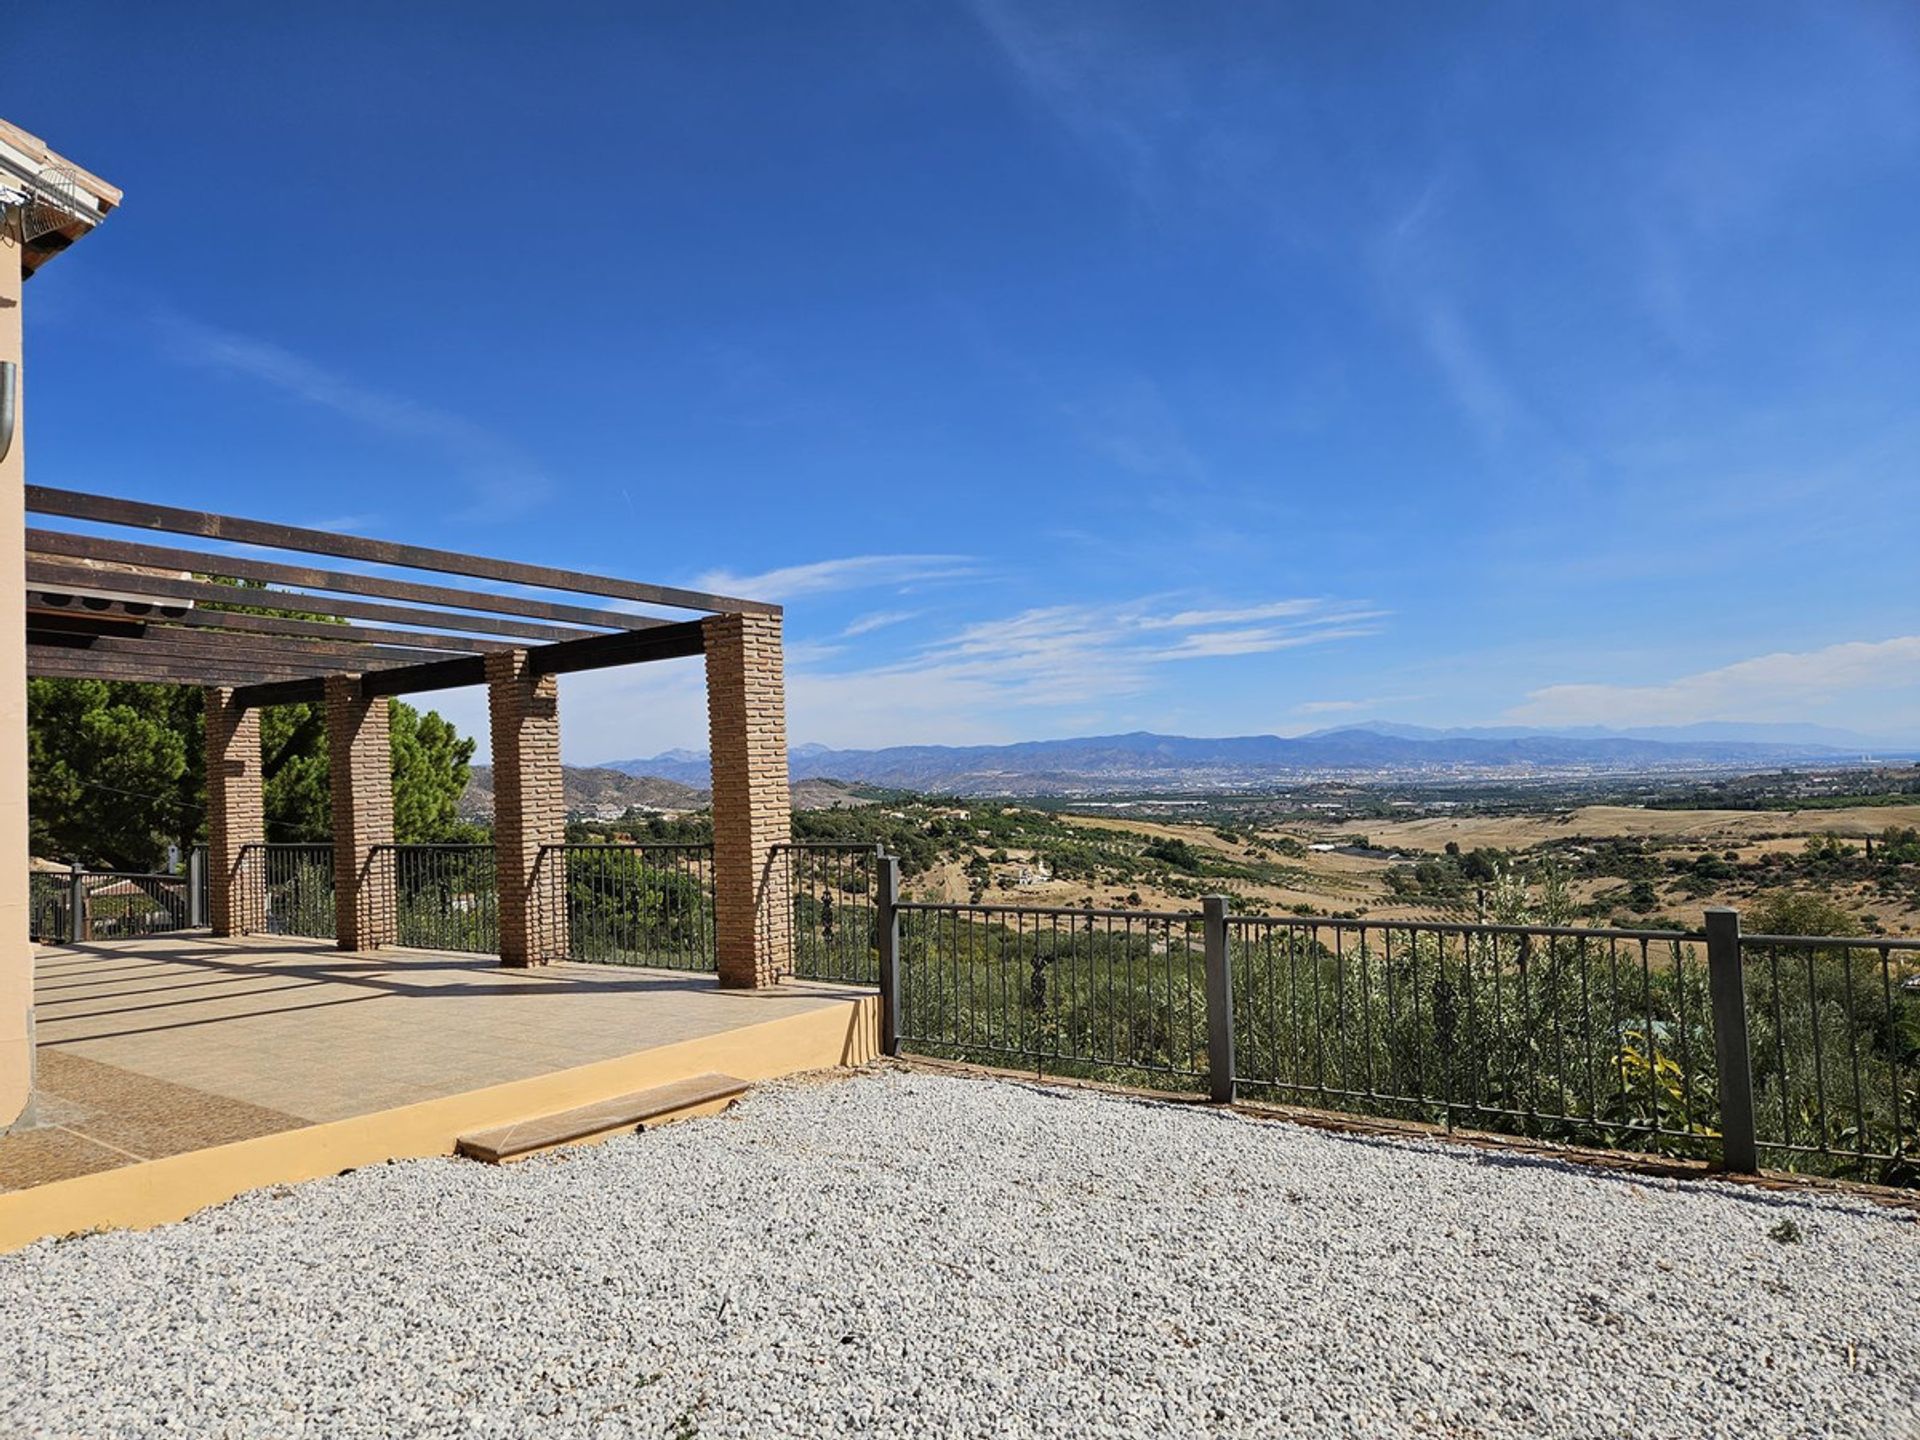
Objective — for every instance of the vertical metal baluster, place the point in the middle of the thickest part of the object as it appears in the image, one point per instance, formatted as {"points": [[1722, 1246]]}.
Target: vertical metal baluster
{"points": [[1340, 984], [1270, 983], [1819, 1060], [1500, 1039], [1586, 1031], [1780, 1047], [973, 968], [1443, 1051], [1853, 1049], [1614, 1018], [1653, 1046], [1556, 979], [1366, 994], [1686, 1043], [1893, 1052], [1396, 1006], [1419, 1039], [1477, 1068], [1295, 1070], [1133, 1036], [1529, 1039]]}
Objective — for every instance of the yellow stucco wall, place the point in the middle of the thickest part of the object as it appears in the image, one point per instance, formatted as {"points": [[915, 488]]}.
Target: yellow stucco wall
{"points": [[16, 953]]}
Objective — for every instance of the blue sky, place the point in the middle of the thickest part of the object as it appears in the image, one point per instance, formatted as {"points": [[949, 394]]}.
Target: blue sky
{"points": [[1063, 368]]}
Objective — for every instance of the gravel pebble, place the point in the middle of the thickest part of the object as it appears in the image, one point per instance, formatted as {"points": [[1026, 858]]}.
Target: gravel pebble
{"points": [[913, 1254]]}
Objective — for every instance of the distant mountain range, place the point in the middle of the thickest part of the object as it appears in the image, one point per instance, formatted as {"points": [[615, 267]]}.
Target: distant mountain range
{"points": [[1147, 761], [1738, 732]]}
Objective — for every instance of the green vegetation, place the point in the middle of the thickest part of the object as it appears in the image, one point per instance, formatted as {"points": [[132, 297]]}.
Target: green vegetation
{"points": [[1594, 1042], [1450, 878], [116, 772], [634, 907], [1797, 790]]}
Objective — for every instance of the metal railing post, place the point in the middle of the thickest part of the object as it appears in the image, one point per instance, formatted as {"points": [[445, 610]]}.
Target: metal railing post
{"points": [[1738, 1151], [79, 926], [196, 887], [886, 923], [1220, 1078]]}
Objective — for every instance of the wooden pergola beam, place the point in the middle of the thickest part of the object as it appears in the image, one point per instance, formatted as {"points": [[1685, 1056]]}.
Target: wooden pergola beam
{"points": [[201, 621], [320, 629], [47, 663], [318, 656], [594, 652], [55, 576], [601, 652], [60, 544], [415, 679], [280, 692], [143, 515]]}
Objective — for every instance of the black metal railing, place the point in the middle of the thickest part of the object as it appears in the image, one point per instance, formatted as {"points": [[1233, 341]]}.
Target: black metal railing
{"points": [[49, 907], [631, 904], [77, 906], [1833, 1032], [290, 889], [199, 891], [445, 897], [1802, 1052], [1110, 994], [1588, 1036], [831, 894]]}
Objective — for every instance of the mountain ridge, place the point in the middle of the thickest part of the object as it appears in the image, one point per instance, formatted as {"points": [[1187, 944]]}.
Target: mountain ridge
{"points": [[1146, 759]]}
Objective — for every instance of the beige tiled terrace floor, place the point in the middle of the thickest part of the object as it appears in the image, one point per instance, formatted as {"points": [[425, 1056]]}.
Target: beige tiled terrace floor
{"points": [[153, 1047]]}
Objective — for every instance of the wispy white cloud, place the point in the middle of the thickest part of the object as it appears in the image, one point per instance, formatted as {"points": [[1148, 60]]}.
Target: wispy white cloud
{"points": [[850, 572], [1111, 94], [1782, 686], [998, 679], [502, 480], [1476, 385], [1246, 614], [1416, 266], [877, 620]]}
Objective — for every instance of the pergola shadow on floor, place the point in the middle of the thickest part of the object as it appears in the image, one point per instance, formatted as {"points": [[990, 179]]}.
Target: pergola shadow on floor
{"points": [[189, 1049]]}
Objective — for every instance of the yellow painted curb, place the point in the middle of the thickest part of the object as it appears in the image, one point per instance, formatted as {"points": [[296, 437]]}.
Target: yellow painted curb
{"points": [[155, 1192]]}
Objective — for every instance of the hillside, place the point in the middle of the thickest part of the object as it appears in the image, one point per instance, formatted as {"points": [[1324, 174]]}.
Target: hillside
{"points": [[591, 790]]}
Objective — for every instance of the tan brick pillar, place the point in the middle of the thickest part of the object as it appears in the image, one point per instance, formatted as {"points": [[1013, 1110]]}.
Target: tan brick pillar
{"points": [[529, 810], [747, 732], [360, 777], [16, 951], [236, 817]]}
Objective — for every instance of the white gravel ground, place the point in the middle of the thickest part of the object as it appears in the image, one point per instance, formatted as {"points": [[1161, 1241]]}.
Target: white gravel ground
{"points": [[928, 1255]]}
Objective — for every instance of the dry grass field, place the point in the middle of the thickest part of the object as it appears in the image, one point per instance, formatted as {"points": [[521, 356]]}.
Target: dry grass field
{"points": [[1704, 827], [1324, 882]]}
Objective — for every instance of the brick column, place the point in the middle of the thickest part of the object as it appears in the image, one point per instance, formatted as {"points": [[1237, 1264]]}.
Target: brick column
{"points": [[360, 777], [747, 729], [529, 809], [236, 817]]}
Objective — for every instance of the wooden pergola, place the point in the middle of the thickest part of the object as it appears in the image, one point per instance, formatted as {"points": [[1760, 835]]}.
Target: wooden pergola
{"points": [[120, 609], [268, 626]]}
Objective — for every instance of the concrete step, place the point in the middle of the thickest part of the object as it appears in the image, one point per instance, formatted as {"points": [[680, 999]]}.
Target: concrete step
{"points": [[622, 1115]]}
